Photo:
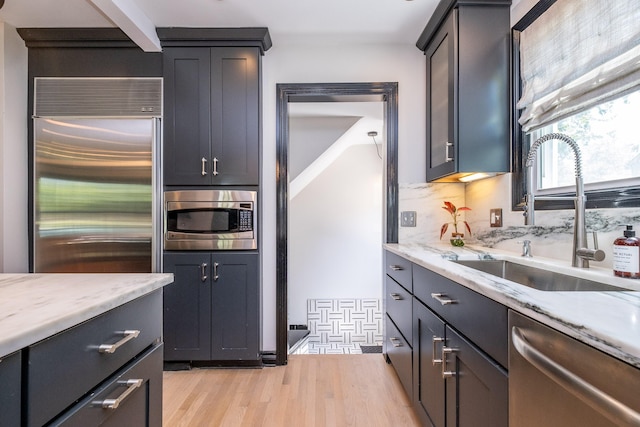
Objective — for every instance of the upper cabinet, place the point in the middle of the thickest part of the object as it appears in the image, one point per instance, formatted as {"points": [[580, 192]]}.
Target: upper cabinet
{"points": [[466, 44], [212, 121], [211, 127]]}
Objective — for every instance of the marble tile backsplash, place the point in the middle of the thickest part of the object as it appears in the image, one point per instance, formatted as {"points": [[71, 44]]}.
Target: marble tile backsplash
{"points": [[551, 237]]}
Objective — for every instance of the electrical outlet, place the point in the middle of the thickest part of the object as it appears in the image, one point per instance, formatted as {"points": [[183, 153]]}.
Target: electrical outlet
{"points": [[408, 219], [495, 217]]}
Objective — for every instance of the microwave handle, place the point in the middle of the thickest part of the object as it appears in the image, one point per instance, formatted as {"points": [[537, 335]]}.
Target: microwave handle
{"points": [[203, 272]]}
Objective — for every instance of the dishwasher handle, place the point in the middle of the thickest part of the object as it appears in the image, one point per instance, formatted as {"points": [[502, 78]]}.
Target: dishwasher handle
{"points": [[611, 408]]}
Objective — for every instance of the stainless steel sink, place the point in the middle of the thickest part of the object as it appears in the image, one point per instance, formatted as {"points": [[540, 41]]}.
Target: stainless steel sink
{"points": [[536, 278]]}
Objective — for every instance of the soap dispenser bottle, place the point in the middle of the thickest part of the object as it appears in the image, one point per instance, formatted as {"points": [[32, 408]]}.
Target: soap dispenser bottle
{"points": [[626, 255]]}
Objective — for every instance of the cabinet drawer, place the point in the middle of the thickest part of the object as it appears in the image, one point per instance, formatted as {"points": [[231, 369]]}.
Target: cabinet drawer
{"points": [[399, 308], [400, 355], [66, 366], [400, 269], [479, 318], [134, 395]]}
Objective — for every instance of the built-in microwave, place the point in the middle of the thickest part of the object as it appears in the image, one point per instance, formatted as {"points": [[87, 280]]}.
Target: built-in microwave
{"points": [[210, 220]]}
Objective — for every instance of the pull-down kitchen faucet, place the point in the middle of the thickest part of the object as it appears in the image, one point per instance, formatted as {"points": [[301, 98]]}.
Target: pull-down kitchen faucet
{"points": [[581, 253]]}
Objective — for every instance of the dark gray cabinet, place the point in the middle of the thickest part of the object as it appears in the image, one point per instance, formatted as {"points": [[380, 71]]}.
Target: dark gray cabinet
{"points": [[466, 45], [211, 310], [211, 115], [455, 383], [10, 374], [428, 391], [453, 360], [69, 378], [141, 380]]}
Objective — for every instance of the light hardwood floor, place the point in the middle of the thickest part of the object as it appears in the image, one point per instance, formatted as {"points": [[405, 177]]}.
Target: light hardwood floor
{"points": [[312, 390]]}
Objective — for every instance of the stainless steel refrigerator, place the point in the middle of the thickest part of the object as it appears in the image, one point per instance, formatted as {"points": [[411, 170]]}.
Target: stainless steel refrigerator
{"points": [[96, 175]]}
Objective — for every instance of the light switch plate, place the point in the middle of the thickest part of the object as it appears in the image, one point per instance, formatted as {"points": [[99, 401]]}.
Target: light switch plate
{"points": [[495, 217], [408, 219]]}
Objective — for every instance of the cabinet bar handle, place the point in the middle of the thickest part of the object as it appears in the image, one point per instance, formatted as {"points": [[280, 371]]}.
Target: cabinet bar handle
{"points": [[441, 298], [215, 271], [215, 166], [131, 385], [447, 374], [448, 157], [396, 267], [435, 340], [203, 271], [396, 297], [128, 336], [607, 405], [204, 167], [395, 342]]}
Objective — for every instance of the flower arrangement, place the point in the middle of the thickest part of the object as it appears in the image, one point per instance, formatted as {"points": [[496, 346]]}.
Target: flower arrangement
{"points": [[455, 213]]}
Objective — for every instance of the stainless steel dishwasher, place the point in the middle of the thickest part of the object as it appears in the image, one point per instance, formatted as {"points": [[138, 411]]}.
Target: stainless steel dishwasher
{"points": [[555, 380]]}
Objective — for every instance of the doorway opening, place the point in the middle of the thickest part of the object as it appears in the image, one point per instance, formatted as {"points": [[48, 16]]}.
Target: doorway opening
{"points": [[387, 94]]}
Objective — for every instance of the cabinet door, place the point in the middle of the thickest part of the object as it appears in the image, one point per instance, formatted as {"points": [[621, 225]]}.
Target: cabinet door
{"points": [[235, 285], [477, 388], [187, 307], [187, 98], [10, 374], [441, 103], [428, 386], [235, 107]]}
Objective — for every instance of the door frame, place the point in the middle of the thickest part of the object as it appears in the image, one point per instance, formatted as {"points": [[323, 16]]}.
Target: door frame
{"points": [[386, 92]]}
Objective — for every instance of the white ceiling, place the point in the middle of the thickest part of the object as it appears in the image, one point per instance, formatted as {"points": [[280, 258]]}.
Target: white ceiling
{"points": [[289, 21]]}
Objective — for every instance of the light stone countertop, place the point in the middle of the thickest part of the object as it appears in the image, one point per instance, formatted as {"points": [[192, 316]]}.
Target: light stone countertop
{"points": [[609, 321], [36, 306]]}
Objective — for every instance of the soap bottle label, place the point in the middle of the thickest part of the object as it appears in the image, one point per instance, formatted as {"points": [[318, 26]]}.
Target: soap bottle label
{"points": [[626, 259]]}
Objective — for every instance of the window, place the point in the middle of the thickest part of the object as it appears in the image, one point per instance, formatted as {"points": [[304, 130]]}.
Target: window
{"points": [[609, 143], [577, 72]]}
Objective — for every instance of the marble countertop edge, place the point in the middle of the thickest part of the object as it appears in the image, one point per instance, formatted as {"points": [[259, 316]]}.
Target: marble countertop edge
{"points": [[609, 321], [36, 306]]}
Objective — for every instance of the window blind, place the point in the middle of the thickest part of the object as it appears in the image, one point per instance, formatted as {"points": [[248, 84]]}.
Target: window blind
{"points": [[576, 55]]}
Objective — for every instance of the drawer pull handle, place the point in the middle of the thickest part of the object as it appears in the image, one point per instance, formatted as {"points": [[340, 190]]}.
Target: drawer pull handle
{"points": [[396, 267], [215, 166], [204, 167], [203, 272], [111, 348], [447, 374], [395, 342], [442, 299], [131, 385], [396, 297], [215, 271], [435, 340]]}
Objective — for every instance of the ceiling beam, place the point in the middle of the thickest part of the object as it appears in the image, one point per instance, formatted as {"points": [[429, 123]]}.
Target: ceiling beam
{"points": [[132, 21]]}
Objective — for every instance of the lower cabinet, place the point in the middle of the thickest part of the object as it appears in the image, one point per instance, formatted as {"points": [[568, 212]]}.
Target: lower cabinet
{"points": [[105, 371], [428, 390], [211, 310], [132, 397], [454, 368], [10, 374], [477, 387], [455, 383]]}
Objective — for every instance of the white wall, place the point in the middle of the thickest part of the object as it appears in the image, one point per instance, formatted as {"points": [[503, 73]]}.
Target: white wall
{"points": [[335, 233], [338, 63], [13, 152]]}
